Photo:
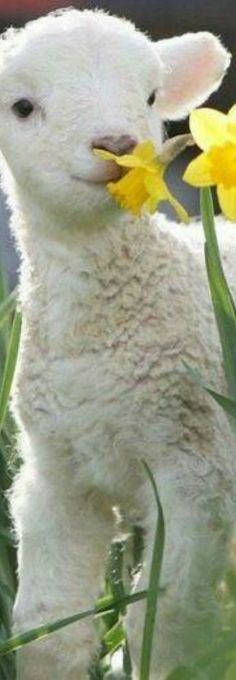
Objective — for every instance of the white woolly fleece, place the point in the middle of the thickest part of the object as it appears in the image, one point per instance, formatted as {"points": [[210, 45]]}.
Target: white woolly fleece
{"points": [[112, 306]]}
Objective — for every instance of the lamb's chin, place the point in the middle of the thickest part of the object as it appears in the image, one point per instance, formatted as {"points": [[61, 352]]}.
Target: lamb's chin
{"points": [[91, 194], [89, 199], [99, 180], [93, 182]]}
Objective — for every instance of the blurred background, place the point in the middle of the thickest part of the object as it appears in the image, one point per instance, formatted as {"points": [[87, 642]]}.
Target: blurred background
{"points": [[162, 19]]}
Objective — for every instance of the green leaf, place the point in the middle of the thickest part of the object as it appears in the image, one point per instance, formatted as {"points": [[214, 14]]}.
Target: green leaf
{"points": [[7, 307], [115, 578], [7, 550], [7, 669], [153, 588], [4, 288], [231, 672], [5, 535], [229, 405], [103, 605], [114, 638], [186, 673], [223, 302], [9, 368], [115, 571]]}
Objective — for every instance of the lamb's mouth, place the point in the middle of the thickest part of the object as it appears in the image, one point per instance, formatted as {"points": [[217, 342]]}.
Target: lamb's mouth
{"points": [[113, 175]]}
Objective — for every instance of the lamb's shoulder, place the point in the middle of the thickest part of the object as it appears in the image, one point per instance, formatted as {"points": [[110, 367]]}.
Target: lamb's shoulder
{"points": [[191, 238], [226, 233]]}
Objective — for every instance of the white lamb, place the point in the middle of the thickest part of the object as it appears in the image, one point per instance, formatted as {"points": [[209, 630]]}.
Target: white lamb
{"points": [[111, 308]]}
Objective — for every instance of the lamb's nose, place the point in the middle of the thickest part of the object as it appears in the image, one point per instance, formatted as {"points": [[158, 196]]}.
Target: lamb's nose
{"points": [[117, 145]]}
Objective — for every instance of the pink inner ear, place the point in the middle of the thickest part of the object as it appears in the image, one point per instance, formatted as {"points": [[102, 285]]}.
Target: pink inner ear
{"points": [[195, 65], [194, 78]]}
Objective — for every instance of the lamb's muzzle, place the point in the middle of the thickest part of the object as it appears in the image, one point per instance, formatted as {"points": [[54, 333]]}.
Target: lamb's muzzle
{"points": [[117, 145]]}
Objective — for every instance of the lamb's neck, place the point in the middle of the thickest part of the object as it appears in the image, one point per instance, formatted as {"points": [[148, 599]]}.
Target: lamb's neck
{"points": [[95, 281], [102, 251]]}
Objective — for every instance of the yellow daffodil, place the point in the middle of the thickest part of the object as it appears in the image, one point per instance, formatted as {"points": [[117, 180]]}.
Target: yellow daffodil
{"points": [[143, 186], [215, 133]]}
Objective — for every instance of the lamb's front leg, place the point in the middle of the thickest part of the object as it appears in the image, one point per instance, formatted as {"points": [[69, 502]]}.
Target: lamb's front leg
{"points": [[64, 539], [189, 615]]}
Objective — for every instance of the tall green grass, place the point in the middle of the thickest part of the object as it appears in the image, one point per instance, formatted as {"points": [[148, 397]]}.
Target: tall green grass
{"points": [[9, 336], [109, 611]]}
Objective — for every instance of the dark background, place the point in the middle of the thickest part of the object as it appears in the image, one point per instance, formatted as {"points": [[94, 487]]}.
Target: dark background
{"points": [[162, 19]]}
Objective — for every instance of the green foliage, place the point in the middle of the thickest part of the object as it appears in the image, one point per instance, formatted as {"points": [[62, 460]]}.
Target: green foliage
{"points": [[104, 605], [228, 404], [9, 367], [222, 299], [154, 581], [8, 350]]}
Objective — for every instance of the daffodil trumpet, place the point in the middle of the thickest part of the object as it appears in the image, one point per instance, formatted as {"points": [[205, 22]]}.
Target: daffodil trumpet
{"points": [[215, 134], [143, 185]]}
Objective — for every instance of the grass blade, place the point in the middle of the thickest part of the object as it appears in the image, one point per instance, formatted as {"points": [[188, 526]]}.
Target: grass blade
{"points": [[223, 303], [7, 307], [104, 605], [153, 589], [228, 404], [114, 638], [9, 368], [115, 578]]}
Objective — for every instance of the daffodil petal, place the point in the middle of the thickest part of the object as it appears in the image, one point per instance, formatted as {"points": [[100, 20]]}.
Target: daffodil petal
{"points": [[199, 172], [158, 190], [132, 161], [232, 130], [232, 113], [129, 161], [155, 185], [105, 155], [179, 209], [232, 124], [227, 201], [145, 151], [208, 128], [151, 204], [126, 161], [130, 191], [142, 156]]}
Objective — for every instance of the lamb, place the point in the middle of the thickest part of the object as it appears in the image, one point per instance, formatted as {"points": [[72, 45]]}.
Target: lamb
{"points": [[112, 305]]}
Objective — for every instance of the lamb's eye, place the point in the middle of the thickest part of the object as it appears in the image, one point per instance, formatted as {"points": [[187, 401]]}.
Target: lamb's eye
{"points": [[23, 108], [152, 98]]}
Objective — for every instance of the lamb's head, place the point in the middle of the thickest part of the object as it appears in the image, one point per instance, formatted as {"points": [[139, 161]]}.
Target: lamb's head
{"points": [[75, 80]]}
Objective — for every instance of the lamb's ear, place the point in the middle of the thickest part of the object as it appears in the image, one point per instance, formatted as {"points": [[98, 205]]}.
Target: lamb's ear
{"points": [[194, 66]]}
